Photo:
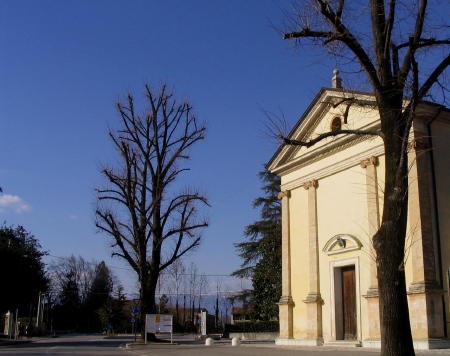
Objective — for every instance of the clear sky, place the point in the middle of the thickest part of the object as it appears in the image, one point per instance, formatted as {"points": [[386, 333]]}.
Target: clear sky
{"points": [[64, 65]]}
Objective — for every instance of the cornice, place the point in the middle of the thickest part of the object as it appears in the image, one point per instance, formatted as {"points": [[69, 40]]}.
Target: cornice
{"points": [[335, 168], [321, 152]]}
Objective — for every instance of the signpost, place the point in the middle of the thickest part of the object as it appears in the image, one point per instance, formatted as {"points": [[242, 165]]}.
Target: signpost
{"points": [[159, 323], [135, 311]]}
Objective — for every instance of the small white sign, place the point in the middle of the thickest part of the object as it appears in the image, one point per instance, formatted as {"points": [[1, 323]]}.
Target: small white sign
{"points": [[158, 323], [203, 323]]}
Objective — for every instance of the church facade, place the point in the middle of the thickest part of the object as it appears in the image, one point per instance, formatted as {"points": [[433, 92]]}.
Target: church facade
{"points": [[332, 201]]}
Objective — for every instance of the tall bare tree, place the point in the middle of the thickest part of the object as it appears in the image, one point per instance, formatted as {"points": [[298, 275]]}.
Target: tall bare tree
{"points": [[193, 284], [177, 271], [150, 225], [202, 287], [82, 271], [403, 55]]}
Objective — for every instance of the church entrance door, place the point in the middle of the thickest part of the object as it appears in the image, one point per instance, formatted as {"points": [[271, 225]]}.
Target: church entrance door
{"points": [[348, 302]]}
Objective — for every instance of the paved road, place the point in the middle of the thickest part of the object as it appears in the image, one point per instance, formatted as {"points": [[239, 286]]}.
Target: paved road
{"points": [[84, 345], [258, 349]]}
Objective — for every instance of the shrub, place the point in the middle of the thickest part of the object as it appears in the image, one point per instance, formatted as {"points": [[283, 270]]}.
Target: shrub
{"points": [[252, 327]]}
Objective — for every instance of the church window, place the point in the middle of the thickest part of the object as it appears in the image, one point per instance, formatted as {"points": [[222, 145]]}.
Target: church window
{"points": [[336, 124]]}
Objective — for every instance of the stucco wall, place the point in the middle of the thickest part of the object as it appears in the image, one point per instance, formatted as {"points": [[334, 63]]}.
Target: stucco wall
{"points": [[342, 209], [440, 132]]}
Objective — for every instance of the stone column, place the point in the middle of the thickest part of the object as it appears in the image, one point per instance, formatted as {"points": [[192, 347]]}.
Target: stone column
{"points": [[421, 210], [286, 303], [425, 294], [373, 211], [373, 216], [313, 299]]}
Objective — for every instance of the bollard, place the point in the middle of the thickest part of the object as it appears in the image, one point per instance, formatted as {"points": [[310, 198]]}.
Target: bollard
{"points": [[235, 341], [209, 342]]}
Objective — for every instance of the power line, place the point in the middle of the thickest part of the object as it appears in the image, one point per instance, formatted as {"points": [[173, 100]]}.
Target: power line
{"points": [[161, 274]]}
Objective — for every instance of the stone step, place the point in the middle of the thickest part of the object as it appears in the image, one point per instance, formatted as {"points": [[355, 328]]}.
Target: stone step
{"points": [[343, 343]]}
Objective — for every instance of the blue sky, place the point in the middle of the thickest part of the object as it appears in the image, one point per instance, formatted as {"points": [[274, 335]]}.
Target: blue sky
{"points": [[64, 65]]}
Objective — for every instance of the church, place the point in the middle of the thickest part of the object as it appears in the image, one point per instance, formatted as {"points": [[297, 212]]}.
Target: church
{"points": [[332, 201]]}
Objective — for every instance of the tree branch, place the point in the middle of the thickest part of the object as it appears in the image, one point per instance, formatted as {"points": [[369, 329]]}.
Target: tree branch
{"points": [[413, 41], [426, 86], [325, 135], [342, 34]]}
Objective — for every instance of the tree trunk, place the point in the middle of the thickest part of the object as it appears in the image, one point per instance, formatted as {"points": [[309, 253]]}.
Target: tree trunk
{"points": [[389, 241], [177, 311], [147, 297], [184, 312]]}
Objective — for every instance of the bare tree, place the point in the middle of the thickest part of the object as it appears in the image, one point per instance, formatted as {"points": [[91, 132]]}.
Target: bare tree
{"points": [[390, 52], [176, 271], [202, 286], [150, 225], [82, 271], [193, 283]]}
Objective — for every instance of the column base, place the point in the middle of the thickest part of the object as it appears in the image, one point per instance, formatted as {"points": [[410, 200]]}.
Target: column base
{"points": [[371, 343], [314, 316], [428, 344], [373, 314], [426, 311], [286, 306], [431, 344]]}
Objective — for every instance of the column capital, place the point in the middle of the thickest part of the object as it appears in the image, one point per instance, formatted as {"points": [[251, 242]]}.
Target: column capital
{"points": [[371, 161], [311, 184], [284, 194], [419, 144]]}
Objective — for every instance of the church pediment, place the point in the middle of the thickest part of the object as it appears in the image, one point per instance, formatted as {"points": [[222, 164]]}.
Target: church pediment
{"points": [[332, 109]]}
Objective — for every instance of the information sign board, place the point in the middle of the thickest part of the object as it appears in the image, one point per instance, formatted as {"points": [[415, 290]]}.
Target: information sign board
{"points": [[158, 323]]}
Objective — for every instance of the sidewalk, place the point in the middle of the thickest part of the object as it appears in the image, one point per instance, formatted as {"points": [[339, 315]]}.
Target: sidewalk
{"points": [[187, 346], [9, 342]]}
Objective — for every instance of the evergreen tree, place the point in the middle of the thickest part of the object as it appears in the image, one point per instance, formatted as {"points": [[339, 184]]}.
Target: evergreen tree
{"points": [[99, 296], [87, 297], [261, 252], [67, 311], [111, 314], [23, 275]]}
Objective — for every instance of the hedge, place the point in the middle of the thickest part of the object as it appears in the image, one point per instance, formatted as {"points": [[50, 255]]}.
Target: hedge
{"points": [[253, 326]]}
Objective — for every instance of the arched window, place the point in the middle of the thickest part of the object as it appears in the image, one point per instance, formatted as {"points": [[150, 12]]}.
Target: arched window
{"points": [[336, 124]]}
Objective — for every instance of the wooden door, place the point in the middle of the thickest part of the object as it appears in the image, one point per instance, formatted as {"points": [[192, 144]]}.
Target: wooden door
{"points": [[349, 302]]}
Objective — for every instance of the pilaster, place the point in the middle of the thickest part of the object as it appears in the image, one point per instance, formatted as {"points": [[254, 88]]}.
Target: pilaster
{"points": [[373, 217], [373, 214], [424, 293], [313, 299], [286, 303]]}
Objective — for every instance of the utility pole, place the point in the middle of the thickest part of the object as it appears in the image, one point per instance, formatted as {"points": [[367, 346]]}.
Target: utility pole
{"points": [[38, 310]]}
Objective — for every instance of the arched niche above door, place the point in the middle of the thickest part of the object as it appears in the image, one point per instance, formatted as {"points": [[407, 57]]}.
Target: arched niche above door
{"points": [[341, 243]]}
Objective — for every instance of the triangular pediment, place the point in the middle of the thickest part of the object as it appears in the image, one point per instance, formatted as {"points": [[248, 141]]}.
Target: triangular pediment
{"points": [[352, 110]]}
